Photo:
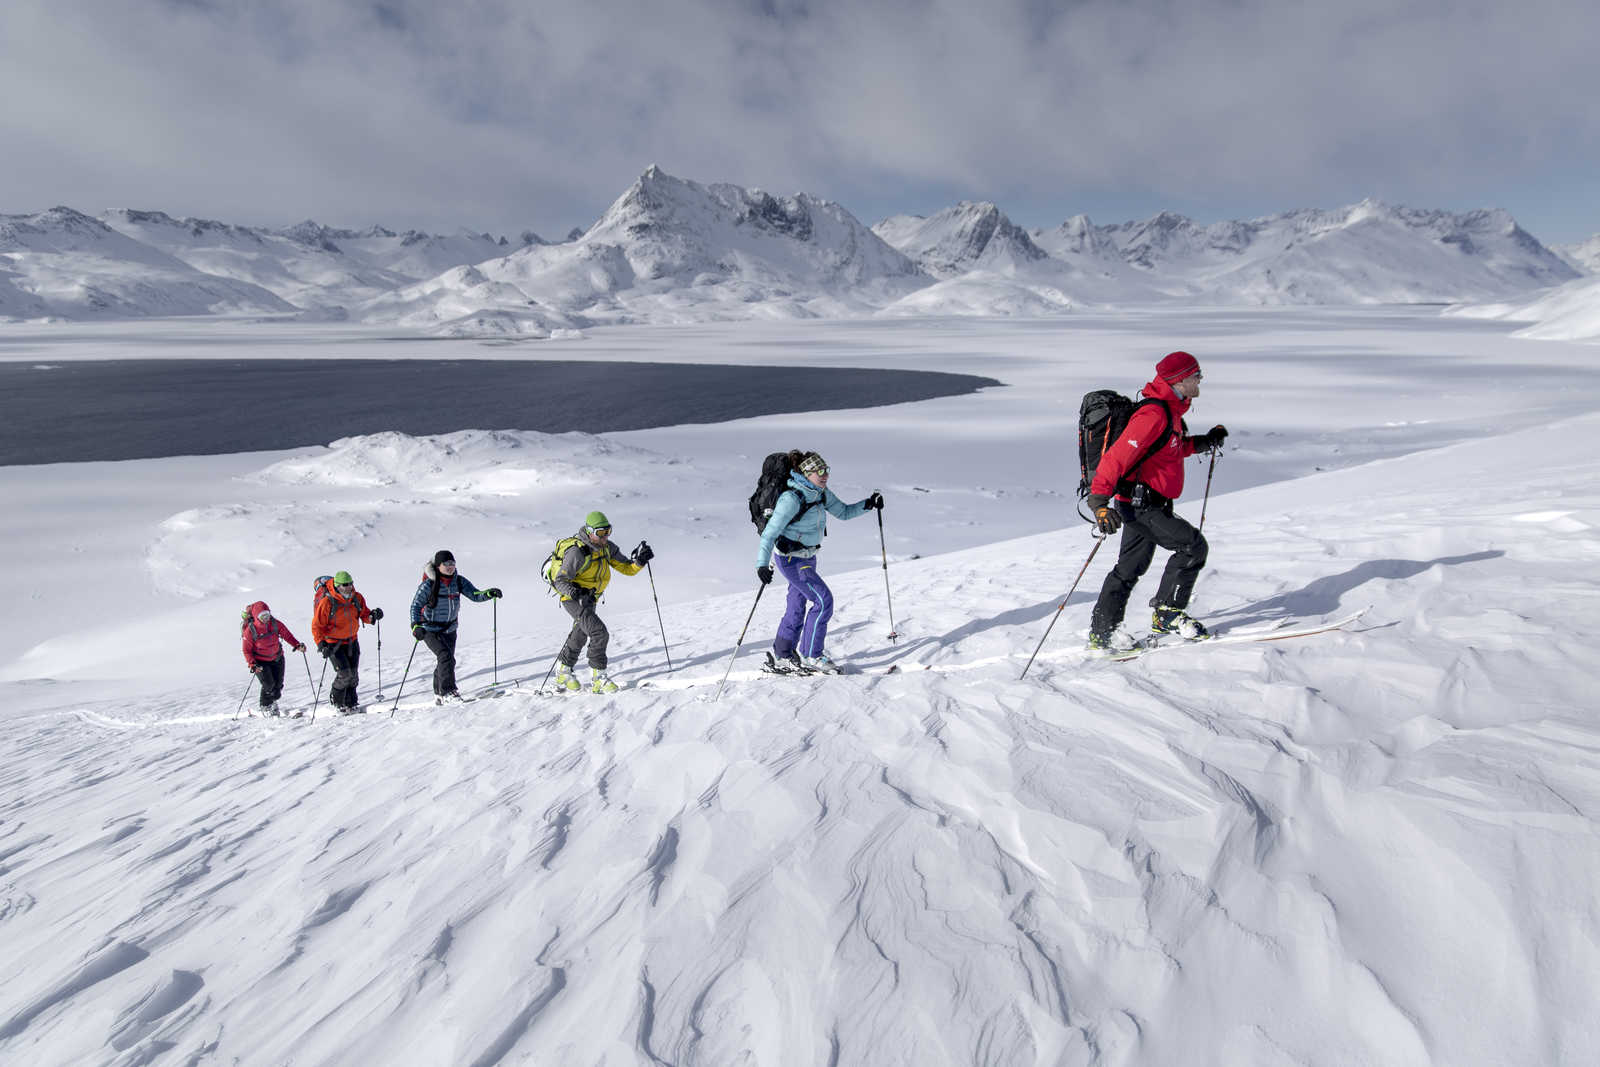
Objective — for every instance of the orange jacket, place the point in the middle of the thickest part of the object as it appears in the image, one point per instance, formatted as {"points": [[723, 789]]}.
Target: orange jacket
{"points": [[338, 618]]}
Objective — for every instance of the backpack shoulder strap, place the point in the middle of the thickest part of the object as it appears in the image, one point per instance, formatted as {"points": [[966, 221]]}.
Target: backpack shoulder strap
{"points": [[1155, 446]]}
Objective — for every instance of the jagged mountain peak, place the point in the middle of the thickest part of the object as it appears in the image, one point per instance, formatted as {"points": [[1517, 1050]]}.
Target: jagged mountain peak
{"points": [[972, 235]]}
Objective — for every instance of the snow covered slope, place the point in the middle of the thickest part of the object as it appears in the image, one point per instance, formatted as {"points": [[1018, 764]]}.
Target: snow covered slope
{"points": [[1370, 252], [1568, 313], [671, 250], [1376, 846], [1583, 256], [66, 264], [308, 265]]}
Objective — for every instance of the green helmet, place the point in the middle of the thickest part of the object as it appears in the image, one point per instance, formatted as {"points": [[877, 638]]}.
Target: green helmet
{"points": [[596, 520], [343, 578]]}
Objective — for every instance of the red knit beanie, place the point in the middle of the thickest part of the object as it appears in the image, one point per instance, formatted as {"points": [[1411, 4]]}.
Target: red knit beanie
{"points": [[1176, 366]]}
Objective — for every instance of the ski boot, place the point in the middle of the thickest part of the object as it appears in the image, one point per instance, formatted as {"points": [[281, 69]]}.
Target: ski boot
{"points": [[452, 697], [788, 663], [1177, 621], [821, 664], [1117, 642], [602, 683], [565, 679], [271, 710]]}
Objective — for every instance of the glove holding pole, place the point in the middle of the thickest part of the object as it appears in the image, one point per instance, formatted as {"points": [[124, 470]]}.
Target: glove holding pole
{"points": [[643, 553]]}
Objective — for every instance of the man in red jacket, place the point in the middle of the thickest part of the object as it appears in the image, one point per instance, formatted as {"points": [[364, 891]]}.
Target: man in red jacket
{"points": [[1133, 489]]}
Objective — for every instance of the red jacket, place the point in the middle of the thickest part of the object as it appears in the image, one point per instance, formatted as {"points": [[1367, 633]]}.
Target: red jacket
{"points": [[261, 642], [1163, 471], [338, 618]]}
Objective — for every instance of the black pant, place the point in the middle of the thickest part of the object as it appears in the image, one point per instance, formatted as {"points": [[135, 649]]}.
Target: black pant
{"points": [[443, 645], [271, 679], [586, 626], [1142, 531], [346, 660]]}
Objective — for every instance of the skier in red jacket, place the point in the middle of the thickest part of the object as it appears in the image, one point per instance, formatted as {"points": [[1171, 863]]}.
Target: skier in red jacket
{"points": [[261, 637], [1137, 497]]}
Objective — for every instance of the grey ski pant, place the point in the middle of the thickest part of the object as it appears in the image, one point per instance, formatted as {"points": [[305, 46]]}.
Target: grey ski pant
{"points": [[586, 627], [1142, 531]]}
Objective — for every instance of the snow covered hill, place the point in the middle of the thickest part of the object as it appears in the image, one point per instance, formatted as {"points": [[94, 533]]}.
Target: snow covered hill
{"points": [[671, 250], [1583, 256], [1375, 846], [1568, 313], [308, 265], [60, 263]]}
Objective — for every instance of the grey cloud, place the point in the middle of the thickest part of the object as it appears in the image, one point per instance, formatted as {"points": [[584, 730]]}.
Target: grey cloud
{"points": [[506, 114]]}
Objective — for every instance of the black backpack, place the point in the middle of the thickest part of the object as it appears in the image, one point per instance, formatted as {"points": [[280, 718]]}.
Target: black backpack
{"points": [[774, 482], [1102, 417]]}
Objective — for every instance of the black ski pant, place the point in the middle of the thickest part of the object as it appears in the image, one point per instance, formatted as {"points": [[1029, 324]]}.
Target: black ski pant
{"points": [[1142, 531], [346, 660], [586, 626], [271, 678], [443, 645]]}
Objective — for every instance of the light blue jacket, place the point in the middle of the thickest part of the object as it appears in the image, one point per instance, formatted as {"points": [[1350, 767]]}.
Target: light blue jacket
{"points": [[809, 528]]}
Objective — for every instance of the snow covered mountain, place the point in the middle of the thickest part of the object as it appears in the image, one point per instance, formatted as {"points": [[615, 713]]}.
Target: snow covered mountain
{"points": [[967, 237], [671, 250], [61, 263], [1583, 256], [1367, 253], [308, 265]]}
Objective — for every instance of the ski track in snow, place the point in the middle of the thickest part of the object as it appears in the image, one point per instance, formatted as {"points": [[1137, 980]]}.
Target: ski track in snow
{"points": [[1376, 845]]}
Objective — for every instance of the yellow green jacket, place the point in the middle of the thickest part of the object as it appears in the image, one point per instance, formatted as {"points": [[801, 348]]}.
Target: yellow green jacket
{"points": [[587, 566]]}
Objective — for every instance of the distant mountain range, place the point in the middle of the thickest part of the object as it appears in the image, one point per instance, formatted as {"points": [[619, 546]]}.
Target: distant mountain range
{"points": [[673, 250]]}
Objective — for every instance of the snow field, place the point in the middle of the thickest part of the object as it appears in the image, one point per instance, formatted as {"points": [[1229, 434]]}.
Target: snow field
{"points": [[1371, 846]]}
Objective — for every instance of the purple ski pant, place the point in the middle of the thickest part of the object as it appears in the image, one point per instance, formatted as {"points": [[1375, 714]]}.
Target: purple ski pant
{"points": [[800, 631]]}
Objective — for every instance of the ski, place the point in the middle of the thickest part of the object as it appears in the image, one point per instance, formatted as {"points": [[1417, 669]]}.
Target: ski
{"points": [[1155, 643]]}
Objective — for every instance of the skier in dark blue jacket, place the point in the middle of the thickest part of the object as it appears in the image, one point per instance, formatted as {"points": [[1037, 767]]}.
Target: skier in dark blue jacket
{"points": [[434, 616]]}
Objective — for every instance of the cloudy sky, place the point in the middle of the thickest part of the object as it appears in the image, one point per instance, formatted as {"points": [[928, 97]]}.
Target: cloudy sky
{"points": [[505, 115]]}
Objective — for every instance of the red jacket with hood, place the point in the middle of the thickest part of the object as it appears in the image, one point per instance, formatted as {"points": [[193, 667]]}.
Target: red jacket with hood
{"points": [[262, 640], [337, 618], [1163, 471]]}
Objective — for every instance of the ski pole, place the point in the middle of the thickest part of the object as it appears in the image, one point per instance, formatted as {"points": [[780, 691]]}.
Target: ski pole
{"points": [[659, 621], [318, 698], [1098, 541], [379, 625], [884, 552], [307, 661], [403, 678], [1211, 470], [246, 694], [761, 589], [494, 606]]}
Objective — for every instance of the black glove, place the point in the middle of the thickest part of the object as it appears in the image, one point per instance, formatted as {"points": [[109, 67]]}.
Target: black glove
{"points": [[255, 668], [643, 554], [377, 613], [1106, 519], [1212, 439], [765, 574], [326, 648], [299, 648], [418, 630], [493, 592], [875, 501]]}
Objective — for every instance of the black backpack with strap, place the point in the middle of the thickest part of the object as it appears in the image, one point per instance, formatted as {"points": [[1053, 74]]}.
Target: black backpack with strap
{"points": [[1102, 417], [773, 483]]}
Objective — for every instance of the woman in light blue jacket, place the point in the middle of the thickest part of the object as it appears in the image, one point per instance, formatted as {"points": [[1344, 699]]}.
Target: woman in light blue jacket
{"points": [[795, 530]]}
